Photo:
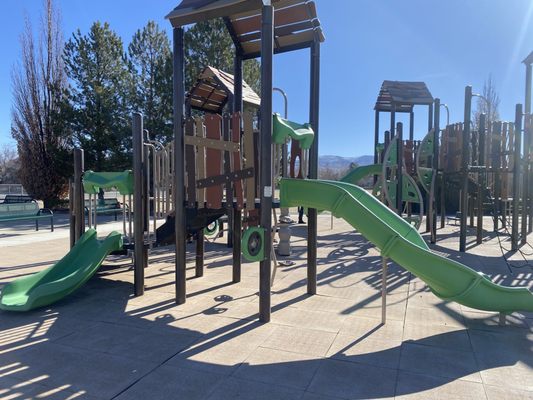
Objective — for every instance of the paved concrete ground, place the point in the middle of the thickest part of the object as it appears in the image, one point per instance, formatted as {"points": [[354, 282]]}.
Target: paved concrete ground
{"points": [[103, 343]]}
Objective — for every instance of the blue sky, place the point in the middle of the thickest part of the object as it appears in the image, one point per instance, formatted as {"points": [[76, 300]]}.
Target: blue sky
{"points": [[448, 44]]}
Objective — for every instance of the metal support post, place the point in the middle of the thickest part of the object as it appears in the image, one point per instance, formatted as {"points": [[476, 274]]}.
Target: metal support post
{"points": [[179, 165], [265, 177], [464, 168]]}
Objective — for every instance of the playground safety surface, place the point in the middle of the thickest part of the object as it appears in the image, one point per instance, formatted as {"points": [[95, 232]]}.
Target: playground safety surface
{"points": [[103, 343]]}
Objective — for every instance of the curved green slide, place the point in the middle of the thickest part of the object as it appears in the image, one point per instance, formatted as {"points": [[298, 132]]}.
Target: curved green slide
{"points": [[402, 243], [63, 278], [356, 174]]}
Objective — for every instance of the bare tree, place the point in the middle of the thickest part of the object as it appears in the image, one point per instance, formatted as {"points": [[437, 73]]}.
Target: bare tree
{"points": [[38, 125], [489, 104], [8, 165]]}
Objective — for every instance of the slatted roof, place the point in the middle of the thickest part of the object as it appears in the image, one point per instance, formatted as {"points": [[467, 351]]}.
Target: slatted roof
{"points": [[296, 22], [529, 59], [404, 95], [214, 88]]}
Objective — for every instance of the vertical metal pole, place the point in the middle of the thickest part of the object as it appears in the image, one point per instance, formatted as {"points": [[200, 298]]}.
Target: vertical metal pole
{"points": [[237, 214], [527, 150], [411, 126], [496, 165], [481, 177], [72, 216], [399, 157], [384, 290], [516, 176], [429, 206], [199, 268], [527, 104], [464, 167], [267, 52], [79, 204], [179, 164], [525, 182], [376, 138], [435, 167], [312, 223], [138, 202]]}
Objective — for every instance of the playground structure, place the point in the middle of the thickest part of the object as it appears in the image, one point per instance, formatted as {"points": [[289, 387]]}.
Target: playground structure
{"points": [[227, 160], [487, 163]]}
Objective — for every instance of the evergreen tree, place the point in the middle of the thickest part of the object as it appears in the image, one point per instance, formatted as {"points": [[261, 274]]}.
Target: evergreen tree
{"points": [[209, 43], [99, 94], [151, 61]]}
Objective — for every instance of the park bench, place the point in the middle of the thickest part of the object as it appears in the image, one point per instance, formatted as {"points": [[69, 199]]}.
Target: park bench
{"points": [[25, 211], [106, 206], [17, 198]]}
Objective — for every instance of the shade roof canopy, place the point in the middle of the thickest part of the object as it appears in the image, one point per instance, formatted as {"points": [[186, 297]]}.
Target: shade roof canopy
{"points": [[404, 96], [529, 59], [296, 25], [214, 88]]}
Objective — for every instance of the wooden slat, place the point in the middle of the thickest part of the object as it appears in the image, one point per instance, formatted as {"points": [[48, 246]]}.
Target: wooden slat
{"points": [[200, 159], [277, 5], [221, 145], [237, 157], [248, 142], [285, 16], [281, 31], [214, 194], [190, 165]]}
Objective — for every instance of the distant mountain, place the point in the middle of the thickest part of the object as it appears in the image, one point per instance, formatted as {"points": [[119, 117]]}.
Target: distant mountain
{"points": [[342, 163]]}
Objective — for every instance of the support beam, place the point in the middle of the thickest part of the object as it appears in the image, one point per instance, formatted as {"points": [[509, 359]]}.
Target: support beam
{"points": [[376, 141], [199, 267], [138, 204], [516, 176], [464, 168], [481, 177], [312, 223], [265, 178], [432, 211], [236, 230], [179, 164], [411, 126], [79, 203]]}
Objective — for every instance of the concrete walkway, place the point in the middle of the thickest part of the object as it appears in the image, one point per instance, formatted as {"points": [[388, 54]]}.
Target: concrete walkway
{"points": [[103, 343]]}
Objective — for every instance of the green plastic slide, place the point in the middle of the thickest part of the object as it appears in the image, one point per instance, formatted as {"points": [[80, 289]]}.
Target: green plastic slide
{"points": [[93, 181], [282, 129], [402, 243], [63, 278], [356, 174]]}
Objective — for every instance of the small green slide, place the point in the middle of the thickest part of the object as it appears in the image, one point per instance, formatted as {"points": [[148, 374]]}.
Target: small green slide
{"points": [[63, 278], [402, 243]]}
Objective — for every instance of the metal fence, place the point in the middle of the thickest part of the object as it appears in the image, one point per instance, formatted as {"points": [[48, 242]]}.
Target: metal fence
{"points": [[7, 188]]}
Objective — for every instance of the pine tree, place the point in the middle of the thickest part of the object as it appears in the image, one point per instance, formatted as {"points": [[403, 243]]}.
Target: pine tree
{"points": [[99, 94], [209, 43], [151, 61]]}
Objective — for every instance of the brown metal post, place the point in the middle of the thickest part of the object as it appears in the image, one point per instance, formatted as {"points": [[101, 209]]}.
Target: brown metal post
{"points": [[140, 250], [267, 52], [237, 214], [312, 223], [179, 165], [464, 167], [199, 267], [79, 203], [516, 176], [481, 177]]}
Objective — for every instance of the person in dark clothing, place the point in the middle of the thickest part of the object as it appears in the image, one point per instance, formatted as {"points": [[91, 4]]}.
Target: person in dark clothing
{"points": [[301, 215]]}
